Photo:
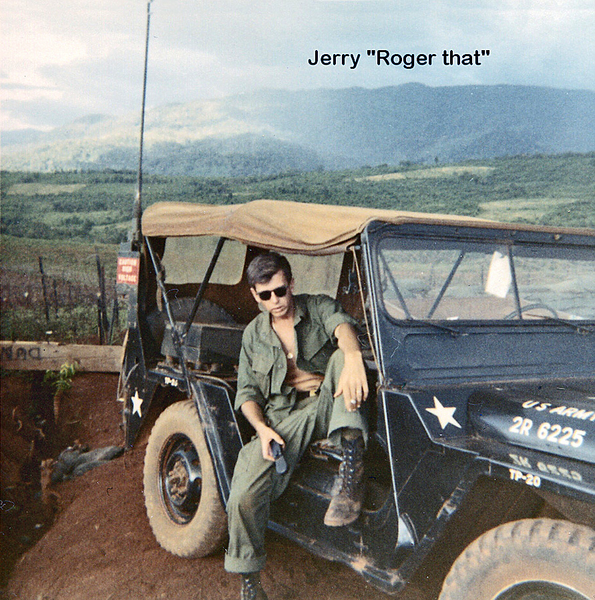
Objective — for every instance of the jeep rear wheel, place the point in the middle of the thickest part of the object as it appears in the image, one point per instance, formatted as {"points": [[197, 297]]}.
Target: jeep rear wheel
{"points": [[532, 559], [181, 494]]}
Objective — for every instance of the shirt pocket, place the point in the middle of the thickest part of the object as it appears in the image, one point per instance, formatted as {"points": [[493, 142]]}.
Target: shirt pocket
{"points": [[313, 339], [262, 366]]}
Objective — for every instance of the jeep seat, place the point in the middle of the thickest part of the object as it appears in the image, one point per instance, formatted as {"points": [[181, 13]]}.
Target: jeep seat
{"points": [[207, 343]]}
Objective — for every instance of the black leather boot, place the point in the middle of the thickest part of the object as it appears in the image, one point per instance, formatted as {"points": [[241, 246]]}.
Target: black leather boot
{"points": [[251, 588], [348, 491]]}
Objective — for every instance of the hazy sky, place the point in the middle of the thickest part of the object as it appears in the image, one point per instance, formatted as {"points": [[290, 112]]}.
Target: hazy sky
{"points": [[63, 59]]}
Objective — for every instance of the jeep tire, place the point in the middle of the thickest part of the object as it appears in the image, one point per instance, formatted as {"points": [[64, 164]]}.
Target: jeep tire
{"points": [[530, 559], [181, 494]]}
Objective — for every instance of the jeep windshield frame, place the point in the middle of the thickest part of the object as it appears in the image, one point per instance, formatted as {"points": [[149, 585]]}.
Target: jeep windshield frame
{"points": [[427, 280], [498, 305]]}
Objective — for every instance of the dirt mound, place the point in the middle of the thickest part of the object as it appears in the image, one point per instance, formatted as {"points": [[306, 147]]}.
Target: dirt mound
{"points": [[96, 543], [31, 435]]}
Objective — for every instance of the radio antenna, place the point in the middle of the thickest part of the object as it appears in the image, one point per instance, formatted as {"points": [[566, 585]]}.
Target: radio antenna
{"points": [[138, 205]]}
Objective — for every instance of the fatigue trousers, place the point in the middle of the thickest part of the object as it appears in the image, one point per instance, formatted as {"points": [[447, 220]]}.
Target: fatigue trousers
{"points": [[255, 481]]}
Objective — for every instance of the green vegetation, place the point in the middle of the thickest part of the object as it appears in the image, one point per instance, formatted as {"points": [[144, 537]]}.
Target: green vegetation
{"points": [[61, 380], [75, 220], [96, 206], [72, 325], [72, 261]]}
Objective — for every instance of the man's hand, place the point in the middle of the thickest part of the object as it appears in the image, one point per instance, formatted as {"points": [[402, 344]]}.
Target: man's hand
{"points": [[266, 434], [253, 412], [353, 383]]}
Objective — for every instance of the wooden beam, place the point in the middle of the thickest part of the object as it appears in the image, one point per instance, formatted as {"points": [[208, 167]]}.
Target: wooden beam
{"points": [[43, 356]]}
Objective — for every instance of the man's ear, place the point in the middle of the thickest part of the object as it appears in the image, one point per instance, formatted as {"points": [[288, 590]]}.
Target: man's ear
{"points": [[255, 295]]}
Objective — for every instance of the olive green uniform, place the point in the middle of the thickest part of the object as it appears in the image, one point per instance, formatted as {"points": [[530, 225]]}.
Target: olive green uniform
{"points": [[261, 375]]}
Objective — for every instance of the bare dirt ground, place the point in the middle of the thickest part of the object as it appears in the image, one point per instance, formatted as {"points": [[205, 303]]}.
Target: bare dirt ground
{"points": [[91, 539]]}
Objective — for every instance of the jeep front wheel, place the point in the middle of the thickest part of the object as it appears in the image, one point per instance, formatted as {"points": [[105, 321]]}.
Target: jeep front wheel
{"points": [[181, 495], [532, 559]]}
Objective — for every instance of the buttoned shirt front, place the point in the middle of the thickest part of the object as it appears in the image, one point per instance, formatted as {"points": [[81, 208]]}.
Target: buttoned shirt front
{"points": [[263, 364]]}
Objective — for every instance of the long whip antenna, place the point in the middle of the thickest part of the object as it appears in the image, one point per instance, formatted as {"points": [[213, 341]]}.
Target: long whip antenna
{"points": [[138, 205]]}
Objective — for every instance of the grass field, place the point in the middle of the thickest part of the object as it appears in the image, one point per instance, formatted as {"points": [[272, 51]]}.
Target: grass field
{"points": [[67, 309], [524, 209], [435, 173]]}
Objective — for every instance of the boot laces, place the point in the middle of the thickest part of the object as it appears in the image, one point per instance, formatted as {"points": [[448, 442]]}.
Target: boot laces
{"points": [[347, 468], [250, 586]]}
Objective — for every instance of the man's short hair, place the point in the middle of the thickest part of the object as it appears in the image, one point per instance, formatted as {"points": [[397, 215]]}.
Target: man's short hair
{"points": [[263, 268]]}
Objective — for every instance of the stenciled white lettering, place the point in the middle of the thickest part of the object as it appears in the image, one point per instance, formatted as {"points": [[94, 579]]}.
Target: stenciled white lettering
{"points": [[571, 412]]}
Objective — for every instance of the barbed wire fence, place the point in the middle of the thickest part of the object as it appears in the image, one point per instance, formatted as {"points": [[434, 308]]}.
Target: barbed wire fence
{"points": [[77, 303]]}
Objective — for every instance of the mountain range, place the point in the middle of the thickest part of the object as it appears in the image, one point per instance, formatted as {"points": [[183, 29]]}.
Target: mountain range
{"points": [[272, 131]]}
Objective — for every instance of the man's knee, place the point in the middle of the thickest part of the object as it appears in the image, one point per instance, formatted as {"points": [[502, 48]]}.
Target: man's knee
{"points": [[244, 501], [251, 484]]}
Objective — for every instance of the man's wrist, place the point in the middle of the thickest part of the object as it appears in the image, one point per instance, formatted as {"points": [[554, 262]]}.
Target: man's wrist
{"points": [[260, 427]]}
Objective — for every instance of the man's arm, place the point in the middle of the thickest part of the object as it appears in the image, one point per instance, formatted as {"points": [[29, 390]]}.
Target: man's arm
{"points": [[249, 398], [253, 412], [353, 383]]}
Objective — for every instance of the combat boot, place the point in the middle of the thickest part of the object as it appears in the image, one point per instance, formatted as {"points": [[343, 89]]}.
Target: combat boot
{"points": [[348, 491], [251, 588]]}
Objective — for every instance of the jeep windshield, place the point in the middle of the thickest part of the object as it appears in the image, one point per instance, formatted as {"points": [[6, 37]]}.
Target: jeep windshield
{"points": [[452, 280]]}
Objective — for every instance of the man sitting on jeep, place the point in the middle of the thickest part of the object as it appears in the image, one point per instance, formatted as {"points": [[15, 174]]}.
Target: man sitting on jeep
{"points": [[294, 386]]}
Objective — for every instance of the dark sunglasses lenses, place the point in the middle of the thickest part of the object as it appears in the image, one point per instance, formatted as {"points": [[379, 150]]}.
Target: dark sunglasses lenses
{"points": [[279, 292]]}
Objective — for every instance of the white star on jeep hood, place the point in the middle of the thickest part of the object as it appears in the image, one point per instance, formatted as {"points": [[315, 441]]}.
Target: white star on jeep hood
{"points": [[137, 402], [444, 414]]}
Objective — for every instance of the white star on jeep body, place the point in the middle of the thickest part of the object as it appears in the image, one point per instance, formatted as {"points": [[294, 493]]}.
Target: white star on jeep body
{"points": [[444, 414], [137, 402]]}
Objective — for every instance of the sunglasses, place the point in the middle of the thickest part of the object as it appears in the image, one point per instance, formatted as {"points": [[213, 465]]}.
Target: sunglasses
{"points": [[266, 294]]}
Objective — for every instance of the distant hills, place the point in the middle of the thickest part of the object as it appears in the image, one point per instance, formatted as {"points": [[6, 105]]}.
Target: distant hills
{"points": [[274, 131]]}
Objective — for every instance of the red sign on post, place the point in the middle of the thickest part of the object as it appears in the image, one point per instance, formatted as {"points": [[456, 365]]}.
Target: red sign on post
{"points": [[128, 270]]}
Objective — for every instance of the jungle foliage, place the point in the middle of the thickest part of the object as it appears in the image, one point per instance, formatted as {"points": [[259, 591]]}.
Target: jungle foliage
{"points": [[96, 206]]}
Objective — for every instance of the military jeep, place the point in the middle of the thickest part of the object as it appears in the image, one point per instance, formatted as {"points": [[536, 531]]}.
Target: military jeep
{"points": [[479, 338]]}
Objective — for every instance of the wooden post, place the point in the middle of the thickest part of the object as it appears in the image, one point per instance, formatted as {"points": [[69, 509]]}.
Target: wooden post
{"points": [[103, 321], [100, 320], [104, 301], [41, 356], [115, 319], [55, 284], [45, 292]]}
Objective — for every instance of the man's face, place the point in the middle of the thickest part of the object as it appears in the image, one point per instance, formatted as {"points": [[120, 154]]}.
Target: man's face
{"points": [[277, 305]]}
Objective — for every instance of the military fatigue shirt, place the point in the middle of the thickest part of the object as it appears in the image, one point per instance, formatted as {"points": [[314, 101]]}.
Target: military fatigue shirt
{"points": [[263, 365]]}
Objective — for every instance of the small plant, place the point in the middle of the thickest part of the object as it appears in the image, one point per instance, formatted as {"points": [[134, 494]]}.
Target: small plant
{"points": [[61, 381]]}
